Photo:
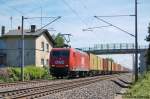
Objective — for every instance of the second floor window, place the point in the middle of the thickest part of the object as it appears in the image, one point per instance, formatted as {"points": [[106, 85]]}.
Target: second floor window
{"points": [[42, 46], [47, 47]]}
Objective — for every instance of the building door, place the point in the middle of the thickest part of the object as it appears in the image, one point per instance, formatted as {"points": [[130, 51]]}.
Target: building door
{"points": [[2, 60]]}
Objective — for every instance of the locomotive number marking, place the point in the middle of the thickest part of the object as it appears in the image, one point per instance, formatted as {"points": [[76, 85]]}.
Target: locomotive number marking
{"points": [[59, 62]]}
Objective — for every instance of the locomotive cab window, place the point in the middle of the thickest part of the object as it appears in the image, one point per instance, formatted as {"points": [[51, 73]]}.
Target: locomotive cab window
{"points": [[60, 53]]}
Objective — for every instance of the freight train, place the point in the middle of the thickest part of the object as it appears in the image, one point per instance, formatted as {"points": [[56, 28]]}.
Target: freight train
{"points": [[71, 62]]}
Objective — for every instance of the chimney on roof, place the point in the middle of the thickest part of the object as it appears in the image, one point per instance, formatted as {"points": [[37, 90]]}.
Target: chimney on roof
{"points": [[33, 27], [3, 30], [19, 27]]}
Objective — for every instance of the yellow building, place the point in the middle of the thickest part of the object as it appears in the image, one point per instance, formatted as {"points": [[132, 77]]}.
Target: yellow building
{"points": [[37, 47]]}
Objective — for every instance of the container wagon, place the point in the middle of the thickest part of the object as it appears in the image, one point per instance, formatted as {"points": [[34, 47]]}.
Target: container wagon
{"points": [[74, 63]]}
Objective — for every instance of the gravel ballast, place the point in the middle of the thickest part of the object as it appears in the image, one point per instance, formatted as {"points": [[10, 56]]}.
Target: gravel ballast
{"points": [[105, 89]]}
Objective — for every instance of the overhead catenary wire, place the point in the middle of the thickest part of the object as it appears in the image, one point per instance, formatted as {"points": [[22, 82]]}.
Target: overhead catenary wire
{"points": [[49, 23], [90, 29], [11, 22], [83, 4], [41, 17], [114, 26], [117, 15], [99, 27], [38, 17], [75, 12], [21, 12]]}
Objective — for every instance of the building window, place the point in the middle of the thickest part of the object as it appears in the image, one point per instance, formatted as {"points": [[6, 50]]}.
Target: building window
{"points": [[47, 47], [47, 62], [42, 62], [42, 46]]}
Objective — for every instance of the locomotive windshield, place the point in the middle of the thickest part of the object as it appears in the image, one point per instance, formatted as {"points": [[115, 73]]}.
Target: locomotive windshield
{"points": [[60, 53]]}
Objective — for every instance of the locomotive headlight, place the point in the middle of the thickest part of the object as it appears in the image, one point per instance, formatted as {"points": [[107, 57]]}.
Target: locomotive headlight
{"points": [[53, 65], [66, 65]]}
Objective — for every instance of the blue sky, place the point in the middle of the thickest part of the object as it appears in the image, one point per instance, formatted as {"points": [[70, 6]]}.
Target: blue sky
{"points": [[77, 15]]}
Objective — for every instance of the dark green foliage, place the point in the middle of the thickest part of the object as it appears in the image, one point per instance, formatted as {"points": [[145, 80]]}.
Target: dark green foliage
{"points": [[148, 60], [148, 51], [59, 40]]}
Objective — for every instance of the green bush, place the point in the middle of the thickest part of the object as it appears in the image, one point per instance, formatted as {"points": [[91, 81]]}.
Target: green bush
{"points": [[30, 73], [35, 73]]}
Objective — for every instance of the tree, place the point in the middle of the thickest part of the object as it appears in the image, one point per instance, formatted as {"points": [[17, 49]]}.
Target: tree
{"points": [[148, 51], [59, 40]]}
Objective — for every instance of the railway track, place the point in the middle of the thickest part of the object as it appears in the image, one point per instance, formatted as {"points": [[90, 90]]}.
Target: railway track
{"points": [[5, 85], [40, 91]]}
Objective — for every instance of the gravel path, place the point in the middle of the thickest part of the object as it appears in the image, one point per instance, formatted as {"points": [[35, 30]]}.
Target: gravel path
{"points": [[100, 90]]}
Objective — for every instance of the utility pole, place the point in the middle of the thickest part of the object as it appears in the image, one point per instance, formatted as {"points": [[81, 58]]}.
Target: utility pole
{"points": [[22, 39], [11, 22], [136, 44], [41, 17], [22, 62]]}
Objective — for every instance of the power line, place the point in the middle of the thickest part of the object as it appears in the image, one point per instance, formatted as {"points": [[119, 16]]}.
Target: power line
{"points": [[99, 27], [74, 11], [84, 6], [41, 16], [110, 23], [22, 13], [91, 28], [11, 22], [49, 23], [117, 15], [114, 26], [38, 17]]}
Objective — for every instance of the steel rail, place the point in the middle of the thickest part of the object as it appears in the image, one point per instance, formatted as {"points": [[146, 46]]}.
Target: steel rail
{"points": [[40, 91]]}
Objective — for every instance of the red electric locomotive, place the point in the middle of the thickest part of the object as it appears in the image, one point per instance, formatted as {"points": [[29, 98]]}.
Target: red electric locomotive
{"points": [[68, 62]]}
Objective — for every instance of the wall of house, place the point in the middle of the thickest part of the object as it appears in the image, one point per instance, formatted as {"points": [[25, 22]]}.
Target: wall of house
{"points": [[42, 56], [13, 47], [2, 53]]}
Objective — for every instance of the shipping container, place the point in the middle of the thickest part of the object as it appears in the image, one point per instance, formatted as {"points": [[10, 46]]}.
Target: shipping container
{"points": [[105, 65], [113, 66], [93, 62], [109, 65], [101, 63], [122, 68], [117, 67]]}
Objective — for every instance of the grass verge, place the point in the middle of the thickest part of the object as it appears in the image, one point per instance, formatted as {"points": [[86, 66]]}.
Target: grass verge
{"points": [[141, 89]]}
